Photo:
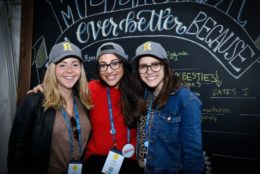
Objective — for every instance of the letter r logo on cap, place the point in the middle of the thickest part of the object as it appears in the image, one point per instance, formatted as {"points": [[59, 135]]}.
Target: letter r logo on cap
{"points": [[147, 46], [67, 46]]}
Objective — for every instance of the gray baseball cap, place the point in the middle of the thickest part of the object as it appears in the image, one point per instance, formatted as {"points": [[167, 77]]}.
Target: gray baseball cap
{"points": [[150, 48], [113, 48], [62, 50]]}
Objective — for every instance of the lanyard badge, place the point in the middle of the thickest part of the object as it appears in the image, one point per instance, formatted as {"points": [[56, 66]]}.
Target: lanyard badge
{"points": [[75, 168], [128, 149], [113, 162]]}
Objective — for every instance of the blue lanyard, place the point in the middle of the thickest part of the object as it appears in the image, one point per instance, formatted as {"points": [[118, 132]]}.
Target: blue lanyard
{"points": [[70, 130], [112, 124], [147, 122]]}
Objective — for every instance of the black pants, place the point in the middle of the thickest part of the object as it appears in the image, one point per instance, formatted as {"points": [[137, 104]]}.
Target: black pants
{"points": [[95, 163]]}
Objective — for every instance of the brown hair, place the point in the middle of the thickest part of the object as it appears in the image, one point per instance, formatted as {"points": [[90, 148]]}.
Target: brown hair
{"points": [[128, 96], [171, 83]]}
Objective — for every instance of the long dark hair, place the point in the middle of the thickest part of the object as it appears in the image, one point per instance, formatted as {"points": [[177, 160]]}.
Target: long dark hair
{"points": [[128, 96], [171, 83]]}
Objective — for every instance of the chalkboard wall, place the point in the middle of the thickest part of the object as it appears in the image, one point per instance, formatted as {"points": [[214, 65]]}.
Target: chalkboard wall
{"points": [[213, 44]]}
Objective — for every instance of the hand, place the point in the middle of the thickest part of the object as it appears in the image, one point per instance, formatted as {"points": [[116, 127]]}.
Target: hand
{"points": [[38, 88]]}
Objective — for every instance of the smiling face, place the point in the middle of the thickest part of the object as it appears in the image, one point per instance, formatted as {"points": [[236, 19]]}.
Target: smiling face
{"points": [[154, 75], [68, 73], [114, 72]]}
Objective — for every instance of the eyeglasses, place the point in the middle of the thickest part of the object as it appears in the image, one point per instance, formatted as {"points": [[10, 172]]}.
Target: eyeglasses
{"points": [[155, 67], [75, 130], [113, 65]]}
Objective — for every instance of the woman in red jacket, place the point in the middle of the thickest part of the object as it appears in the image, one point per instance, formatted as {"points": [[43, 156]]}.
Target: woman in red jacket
{"points": [[113, 114]]}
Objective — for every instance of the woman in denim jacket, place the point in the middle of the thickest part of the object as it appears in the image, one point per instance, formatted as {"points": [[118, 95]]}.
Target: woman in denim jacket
{"points": [[169, 129]]}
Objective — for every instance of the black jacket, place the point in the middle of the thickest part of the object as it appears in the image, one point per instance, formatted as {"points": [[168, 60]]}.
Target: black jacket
{"points": [[30, 138]]}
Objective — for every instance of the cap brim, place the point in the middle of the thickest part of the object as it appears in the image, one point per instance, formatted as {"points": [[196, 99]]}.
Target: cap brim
{"points": [[143, 55]]}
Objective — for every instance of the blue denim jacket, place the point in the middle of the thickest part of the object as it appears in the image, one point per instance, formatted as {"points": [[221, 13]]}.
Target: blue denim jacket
{"points": [[175, 142]]}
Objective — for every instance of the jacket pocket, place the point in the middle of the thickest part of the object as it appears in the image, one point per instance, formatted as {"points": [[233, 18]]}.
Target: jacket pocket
{"points": [[168, 125]]}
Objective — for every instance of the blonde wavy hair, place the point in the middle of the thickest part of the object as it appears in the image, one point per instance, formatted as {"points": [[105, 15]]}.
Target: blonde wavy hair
{"points": [[53, 98]]}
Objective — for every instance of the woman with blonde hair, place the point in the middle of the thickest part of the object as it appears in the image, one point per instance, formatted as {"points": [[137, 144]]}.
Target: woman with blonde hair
{"points": [[51, 129]]}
